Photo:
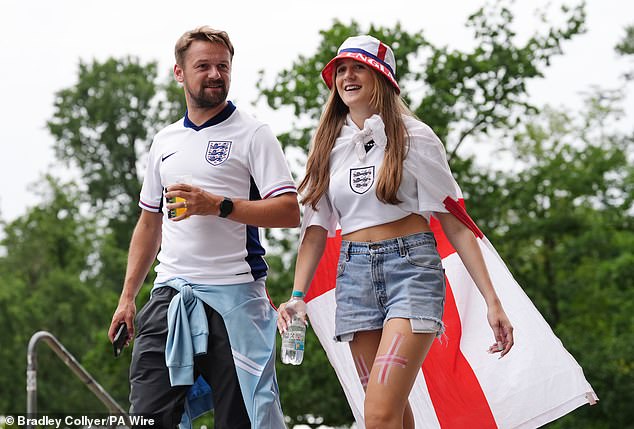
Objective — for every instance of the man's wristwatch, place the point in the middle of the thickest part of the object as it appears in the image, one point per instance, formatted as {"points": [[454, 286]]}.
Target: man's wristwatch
{"points": [[226, 207]]}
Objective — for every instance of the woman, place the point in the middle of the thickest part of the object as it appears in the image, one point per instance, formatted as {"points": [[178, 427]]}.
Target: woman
{"points": [[380, 174]]}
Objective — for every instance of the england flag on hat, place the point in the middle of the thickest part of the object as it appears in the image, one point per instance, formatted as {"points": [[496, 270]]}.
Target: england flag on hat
{"points": [[368, 50]]}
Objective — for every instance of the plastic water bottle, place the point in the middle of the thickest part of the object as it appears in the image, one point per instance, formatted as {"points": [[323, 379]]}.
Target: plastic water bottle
{"points": [[295, 335]]}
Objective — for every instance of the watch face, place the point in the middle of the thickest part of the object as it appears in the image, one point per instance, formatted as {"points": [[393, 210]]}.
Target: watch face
{"points": [[226, 207]]}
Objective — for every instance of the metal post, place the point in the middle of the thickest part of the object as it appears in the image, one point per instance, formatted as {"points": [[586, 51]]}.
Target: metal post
{"points": [[71, 362]]}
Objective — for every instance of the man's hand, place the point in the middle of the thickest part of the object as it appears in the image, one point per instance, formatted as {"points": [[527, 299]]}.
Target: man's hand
{"points": [[281, 211], [125, 312], [197, 201]]}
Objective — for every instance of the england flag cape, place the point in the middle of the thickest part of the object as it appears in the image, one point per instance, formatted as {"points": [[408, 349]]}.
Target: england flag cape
{"points": [[460, 385]]}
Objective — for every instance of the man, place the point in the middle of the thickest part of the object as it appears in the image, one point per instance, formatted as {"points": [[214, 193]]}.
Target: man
{"points": [[209, 313]]}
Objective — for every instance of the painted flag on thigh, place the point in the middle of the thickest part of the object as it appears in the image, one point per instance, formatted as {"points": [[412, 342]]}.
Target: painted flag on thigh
{"points": [[460, 384]]}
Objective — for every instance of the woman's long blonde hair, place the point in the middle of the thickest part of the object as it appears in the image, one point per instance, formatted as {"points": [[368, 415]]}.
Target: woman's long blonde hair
{"points": [[385, 100]]}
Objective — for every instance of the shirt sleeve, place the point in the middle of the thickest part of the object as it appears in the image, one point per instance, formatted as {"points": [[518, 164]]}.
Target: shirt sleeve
{"points": [[324, 217], [268, 166], [427, 161], [151, 198]]}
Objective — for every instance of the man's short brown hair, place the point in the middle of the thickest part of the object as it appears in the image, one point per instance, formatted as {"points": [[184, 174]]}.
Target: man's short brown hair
{"points": [[204, 33]]}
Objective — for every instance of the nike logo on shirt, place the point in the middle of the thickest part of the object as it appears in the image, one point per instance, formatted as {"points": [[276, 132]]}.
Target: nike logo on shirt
{"points": [[167, 156]]}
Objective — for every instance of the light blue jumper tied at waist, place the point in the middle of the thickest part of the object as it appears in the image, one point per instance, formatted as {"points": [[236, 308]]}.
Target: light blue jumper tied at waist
{"points": [[251, 323]]}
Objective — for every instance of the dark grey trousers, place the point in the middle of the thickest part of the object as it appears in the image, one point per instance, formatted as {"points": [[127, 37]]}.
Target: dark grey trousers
{"points": [[150, 391]]}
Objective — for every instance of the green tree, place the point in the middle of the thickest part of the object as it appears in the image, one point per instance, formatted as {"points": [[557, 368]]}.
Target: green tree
{"points": [[469, 93], [566, 231], [626, 47], [99, 125], [47, 271]]}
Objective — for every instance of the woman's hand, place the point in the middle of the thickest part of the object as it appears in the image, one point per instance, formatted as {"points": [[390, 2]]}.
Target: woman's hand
{"points": [[287, 310], [283, 318], [502, 330]]}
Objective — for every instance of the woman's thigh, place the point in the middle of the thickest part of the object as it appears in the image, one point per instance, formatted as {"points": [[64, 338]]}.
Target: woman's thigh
{"points": [[363, 347], [393, 358]]}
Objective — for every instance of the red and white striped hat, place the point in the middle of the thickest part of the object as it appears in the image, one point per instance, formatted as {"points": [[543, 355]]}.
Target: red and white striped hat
{"points": [[368, 50]]}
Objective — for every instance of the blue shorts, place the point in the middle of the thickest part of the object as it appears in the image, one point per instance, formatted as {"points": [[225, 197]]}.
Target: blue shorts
{"points": [[401, 277]]}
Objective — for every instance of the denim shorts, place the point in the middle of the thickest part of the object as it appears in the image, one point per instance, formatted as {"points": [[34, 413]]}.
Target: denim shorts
{"points": [[400, 277]]}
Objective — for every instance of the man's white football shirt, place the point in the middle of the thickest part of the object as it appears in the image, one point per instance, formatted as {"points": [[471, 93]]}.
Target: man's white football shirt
{"points": [[231, 155]]}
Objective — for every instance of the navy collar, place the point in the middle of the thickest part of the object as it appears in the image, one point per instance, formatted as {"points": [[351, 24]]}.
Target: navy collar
{"points": [[220, 117]]}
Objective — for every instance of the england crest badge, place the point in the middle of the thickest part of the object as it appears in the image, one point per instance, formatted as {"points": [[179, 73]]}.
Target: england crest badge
{"points": [[361, 179], [217, 152]]}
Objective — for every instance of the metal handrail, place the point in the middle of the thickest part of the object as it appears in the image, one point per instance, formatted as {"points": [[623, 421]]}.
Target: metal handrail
{"points": [[71, 362]]}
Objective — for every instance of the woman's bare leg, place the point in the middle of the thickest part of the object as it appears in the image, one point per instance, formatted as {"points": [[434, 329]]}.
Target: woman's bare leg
{"points": [[388, 362]]}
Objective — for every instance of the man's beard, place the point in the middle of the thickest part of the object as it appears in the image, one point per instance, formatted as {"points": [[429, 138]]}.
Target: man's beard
{"points": [[205, 100]]}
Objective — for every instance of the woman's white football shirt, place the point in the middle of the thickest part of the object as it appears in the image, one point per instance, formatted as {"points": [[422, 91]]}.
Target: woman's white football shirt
{"points": [[351, 199]]}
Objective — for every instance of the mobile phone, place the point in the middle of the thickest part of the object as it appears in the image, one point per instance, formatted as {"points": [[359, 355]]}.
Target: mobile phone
{"points": [[120, 339]]}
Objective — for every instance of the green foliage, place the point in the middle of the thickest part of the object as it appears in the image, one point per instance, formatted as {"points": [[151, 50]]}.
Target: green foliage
{"points": [[99, 124], [171, 102], [47, 287], [473, 92], [626, 46]]}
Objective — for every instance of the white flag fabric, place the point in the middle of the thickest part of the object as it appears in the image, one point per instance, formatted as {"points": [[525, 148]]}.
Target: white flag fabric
{"points": [[460, 384]]}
